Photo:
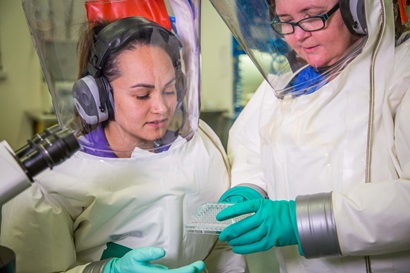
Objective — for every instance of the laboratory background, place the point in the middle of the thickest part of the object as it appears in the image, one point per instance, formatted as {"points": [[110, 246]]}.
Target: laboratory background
{"points": [[228, 80]]}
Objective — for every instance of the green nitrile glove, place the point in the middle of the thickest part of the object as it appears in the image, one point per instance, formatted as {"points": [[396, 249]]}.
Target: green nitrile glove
{"points": [[239, 194], [272, 224], [138, 261]]}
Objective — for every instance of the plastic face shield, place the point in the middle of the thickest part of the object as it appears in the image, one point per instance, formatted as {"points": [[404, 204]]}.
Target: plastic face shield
{"points": [[272, 53], [57, 28]]}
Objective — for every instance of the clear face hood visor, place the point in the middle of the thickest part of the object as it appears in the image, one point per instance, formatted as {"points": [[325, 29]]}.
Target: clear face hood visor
{"points": [[123, 74], [270, 50]]}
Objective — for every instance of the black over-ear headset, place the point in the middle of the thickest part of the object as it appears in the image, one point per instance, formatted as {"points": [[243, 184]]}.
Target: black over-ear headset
{"points": [[354, 16], [352, 12], [92, 93]]}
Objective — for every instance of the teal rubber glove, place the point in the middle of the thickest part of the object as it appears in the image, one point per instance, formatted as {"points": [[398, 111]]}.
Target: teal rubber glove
{"points": [[138, 261], [239, 194], [272, 224]]}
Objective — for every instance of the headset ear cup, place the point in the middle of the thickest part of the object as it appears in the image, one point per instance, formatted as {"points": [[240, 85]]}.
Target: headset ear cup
{"points": [[354, 16], [105, 90], [87, 101]]}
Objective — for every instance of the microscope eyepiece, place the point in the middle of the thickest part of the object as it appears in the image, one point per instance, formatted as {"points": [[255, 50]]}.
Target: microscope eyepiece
{"points": [[46, 150]]}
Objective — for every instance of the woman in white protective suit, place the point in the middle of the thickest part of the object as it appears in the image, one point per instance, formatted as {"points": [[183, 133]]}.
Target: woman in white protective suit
{"points": [[321, 153], [120, 204]]}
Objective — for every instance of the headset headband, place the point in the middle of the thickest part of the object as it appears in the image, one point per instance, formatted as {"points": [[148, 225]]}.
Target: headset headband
{"points": [[118, 33]]}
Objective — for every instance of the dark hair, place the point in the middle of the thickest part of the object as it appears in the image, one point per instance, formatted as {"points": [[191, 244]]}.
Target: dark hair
{"points": [[110, 68], [272, 6]]}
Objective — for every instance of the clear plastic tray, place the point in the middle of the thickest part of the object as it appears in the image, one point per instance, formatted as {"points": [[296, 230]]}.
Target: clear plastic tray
{"points": [[204, 219]]}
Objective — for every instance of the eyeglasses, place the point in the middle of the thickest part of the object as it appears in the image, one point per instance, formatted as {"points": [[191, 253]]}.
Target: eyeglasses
{"points": [[310, 24]]}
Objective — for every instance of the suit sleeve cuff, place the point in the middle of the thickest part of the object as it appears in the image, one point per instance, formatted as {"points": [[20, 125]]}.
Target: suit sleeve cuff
{"points": [[316, 226], [96, 267]]}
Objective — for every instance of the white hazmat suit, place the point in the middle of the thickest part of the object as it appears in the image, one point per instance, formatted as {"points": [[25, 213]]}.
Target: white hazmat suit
{"points": [[68, 216], [351, 184], [100, 204]]}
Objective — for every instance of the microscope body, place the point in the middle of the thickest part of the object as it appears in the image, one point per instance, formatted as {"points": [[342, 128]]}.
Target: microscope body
{"points": [[18, 169], [13, 179]]}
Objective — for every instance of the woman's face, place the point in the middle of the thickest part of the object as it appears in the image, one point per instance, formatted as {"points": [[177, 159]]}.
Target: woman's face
{"points": [[145, 97], [320, 48]]}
